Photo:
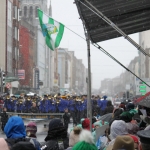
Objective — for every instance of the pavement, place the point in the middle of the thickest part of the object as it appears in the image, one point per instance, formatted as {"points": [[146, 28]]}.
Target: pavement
{"points": [[41, 130]]}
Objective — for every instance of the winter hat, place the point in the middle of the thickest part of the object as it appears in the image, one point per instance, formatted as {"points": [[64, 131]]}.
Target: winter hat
{"points": [[126, 116], [3, 144], [55, 123], [130, 106], [74, 136], [31, 129], [86, 141], [82, 120], [118, 127], [104, 97], [86, 124], [123, 143]]}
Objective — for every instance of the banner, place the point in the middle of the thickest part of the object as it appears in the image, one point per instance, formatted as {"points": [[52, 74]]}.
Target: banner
{"points": [[21, 74]]}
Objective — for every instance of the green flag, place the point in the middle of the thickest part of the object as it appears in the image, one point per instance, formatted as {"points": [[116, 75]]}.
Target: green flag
{"points": [[51, 29]]}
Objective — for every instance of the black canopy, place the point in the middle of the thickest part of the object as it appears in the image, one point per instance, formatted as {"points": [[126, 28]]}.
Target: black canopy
{"points": [[131, 16]]}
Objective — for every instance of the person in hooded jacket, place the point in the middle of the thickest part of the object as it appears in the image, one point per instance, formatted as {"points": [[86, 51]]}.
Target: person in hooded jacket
{"points": [[16, 135], [56, 138]]}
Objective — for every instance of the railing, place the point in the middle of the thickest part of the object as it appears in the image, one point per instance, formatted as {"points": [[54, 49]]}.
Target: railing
{"points": [[37, 116]]}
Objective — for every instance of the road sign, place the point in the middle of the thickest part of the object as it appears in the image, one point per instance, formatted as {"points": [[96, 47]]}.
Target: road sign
{"points": [[141, 87]]}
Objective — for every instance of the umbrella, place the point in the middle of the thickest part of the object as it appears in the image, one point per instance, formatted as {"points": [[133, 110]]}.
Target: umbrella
{"points": [[106, 117], [144, 100]]}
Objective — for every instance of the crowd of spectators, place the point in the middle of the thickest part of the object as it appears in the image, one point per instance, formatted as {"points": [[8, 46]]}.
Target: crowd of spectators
{"points": [[127, 129]]}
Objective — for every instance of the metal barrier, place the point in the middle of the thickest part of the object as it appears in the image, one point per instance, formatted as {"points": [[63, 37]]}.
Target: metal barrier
{"points": [[37, 116]]}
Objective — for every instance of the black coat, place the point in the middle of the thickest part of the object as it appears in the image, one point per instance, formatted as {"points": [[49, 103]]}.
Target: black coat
{"points": [[57, 139], [20, 144], [66, 118], [4, 117], [56, 144], [34, 110]]}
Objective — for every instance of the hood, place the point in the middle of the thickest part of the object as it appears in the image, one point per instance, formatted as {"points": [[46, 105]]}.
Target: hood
{"points": [[15, 128], [118, 127]]}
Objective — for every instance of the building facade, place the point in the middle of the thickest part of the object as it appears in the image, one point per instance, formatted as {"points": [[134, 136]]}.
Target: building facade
{"points": [[41, 53], [9, 42]]}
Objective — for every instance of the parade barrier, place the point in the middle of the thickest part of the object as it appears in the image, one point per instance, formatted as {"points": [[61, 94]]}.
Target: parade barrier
{"points": [[37, 116]]}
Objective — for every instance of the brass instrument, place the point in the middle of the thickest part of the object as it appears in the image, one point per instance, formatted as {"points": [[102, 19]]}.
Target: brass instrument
{"points": [[63, 97], [55, 96], [8, 97], [57, 101], [28, 98], [49, 97]]}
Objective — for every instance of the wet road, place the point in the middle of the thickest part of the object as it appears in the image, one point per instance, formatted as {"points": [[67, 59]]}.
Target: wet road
{"points": [[41, 130]]}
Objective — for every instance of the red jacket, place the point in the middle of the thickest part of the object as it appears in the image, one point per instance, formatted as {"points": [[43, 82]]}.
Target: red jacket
{"points": [[1, 103]]}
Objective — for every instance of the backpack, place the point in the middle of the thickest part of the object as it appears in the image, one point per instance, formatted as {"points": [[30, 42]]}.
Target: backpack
{"points": [[35, 143], [21, 144], [53, 145]]}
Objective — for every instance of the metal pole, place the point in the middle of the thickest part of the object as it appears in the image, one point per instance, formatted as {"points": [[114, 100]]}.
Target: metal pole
{"points": [[0, 80], [89, 108]]}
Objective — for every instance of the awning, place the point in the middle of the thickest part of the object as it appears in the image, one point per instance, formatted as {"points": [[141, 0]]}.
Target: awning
{"points": [[144, 100], [131, 16], [11, 79]]}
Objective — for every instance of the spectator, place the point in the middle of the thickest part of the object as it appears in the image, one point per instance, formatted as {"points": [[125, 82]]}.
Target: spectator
{"points": [[145, 139], [57, 136], [123, 143], [118, 127], [104, 105], [74, 137], [109, 108], [4, 118], [137, 143], [3, 144], [130, 106], [131, 124], [66, 118], [86, 124], [15, 133], [31, 130], [126, 116], [1, 104], [86, 141]]}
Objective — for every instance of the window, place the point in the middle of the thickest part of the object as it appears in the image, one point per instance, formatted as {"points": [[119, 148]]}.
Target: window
{"points": [[9, 15], [25, 11], [36, 11], [31, 11], [15, 13]]}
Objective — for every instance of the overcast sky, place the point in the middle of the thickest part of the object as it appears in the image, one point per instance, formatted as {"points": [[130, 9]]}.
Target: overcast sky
{"points": [[102, 66]]}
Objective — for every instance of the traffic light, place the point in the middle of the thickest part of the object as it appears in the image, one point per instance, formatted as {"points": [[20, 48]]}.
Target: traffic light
{"points": [[3, 78], [127, 94], [124, 95]]}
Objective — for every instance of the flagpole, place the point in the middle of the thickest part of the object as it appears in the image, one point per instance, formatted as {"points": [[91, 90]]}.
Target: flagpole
{"points": [[89, 106]]}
